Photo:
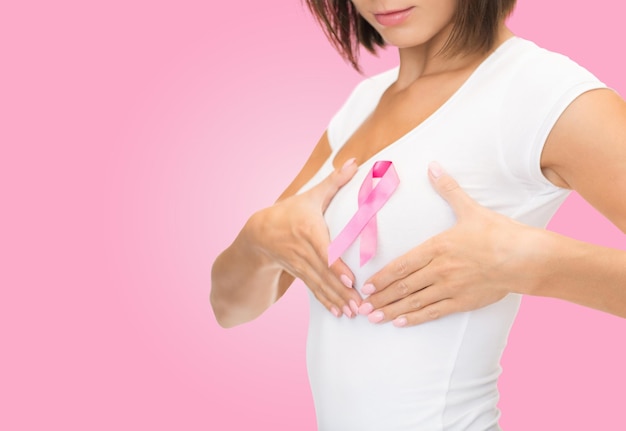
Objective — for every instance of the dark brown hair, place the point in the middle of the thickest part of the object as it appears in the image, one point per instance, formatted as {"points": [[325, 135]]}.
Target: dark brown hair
{"points": [[475, 26]]}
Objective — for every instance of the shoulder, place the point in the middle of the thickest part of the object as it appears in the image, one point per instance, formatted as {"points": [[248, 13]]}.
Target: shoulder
{"points": [[539, 87], [538, 71]]}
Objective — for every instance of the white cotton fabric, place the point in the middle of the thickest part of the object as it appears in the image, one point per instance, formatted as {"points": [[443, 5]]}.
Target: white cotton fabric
{"points": [[489, 136]]}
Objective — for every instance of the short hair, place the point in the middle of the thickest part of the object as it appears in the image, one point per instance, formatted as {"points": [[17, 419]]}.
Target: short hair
{"points": [[475, 25]]}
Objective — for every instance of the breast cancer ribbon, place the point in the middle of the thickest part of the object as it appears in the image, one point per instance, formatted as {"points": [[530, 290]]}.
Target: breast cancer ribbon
{"points": [[363, 222]]}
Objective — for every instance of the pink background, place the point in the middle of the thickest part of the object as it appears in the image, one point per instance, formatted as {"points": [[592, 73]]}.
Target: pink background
{"points": [[137, 136]]}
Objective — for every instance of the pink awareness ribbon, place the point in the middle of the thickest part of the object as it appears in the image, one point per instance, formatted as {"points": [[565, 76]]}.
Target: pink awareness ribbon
{"points": [[363, 222]]}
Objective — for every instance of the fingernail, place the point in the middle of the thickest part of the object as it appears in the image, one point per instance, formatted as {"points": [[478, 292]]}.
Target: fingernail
{"points": [[347, 311], [335, 311], [354, 307], [376, 316], [346, 280], [400, 322], [435, 169], [366, 308], [348, 163], [368, 289]]}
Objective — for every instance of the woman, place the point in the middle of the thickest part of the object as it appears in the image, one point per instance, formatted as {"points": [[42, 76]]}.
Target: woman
{"points": [[517, 127]]}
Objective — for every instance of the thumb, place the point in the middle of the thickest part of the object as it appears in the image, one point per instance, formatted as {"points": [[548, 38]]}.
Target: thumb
{"points": [[449, 189], [327, 189]]}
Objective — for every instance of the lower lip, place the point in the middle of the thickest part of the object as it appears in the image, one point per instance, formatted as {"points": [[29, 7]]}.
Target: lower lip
{"points": [[395, 18]]}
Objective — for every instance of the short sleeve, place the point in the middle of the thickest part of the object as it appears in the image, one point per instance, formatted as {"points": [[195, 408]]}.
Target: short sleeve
{"points": [[543, 88], [559, 107]]}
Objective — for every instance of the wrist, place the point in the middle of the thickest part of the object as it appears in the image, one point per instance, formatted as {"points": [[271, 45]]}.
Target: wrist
{"points": [[537, 262], [554, 263], [250, 242], [577, 272]]}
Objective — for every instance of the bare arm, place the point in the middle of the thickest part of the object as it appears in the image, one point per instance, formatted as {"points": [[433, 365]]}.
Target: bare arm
{"points": [[586, 152], [248, 277]]}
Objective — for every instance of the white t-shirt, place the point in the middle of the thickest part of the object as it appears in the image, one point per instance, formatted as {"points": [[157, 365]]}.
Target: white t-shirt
{"points": [[489, 135]]}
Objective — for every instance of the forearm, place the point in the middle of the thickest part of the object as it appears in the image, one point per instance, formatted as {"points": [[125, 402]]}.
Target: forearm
{"points": [[586, 274], [244, 283]]}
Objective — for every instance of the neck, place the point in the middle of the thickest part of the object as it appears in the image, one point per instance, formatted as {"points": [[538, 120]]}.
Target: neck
{"points": [[425, 59]]}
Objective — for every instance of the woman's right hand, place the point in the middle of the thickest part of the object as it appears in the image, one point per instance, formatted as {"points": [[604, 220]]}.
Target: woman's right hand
{"points": [[293, 235]]}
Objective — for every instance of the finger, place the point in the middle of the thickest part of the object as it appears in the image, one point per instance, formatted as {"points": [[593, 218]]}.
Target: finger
{"points": [[312, 269], [401, 267], [409, 304], [401, 289], [319, 284], [343, 272], [429, 313], [337, 293], [315, 285], [339, 269], [327, 189], [348, 300], [447, 187]]}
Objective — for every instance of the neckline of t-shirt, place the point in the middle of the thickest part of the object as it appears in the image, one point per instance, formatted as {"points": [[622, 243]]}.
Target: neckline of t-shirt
{"points": [[392, 75]]}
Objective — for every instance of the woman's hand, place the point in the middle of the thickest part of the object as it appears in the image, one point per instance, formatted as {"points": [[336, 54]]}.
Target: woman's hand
{"points": [[293, 235], [476, 263]]}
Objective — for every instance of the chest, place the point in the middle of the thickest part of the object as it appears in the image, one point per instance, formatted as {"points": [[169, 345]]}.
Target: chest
{"points": [[396, 114]]}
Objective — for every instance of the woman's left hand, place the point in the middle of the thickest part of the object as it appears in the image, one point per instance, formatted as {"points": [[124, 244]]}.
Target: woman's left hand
{"points": [[477, 262]]}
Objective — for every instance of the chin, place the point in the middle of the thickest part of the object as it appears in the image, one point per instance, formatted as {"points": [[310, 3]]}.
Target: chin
{"points": [[411, 37], [405, 42]]}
